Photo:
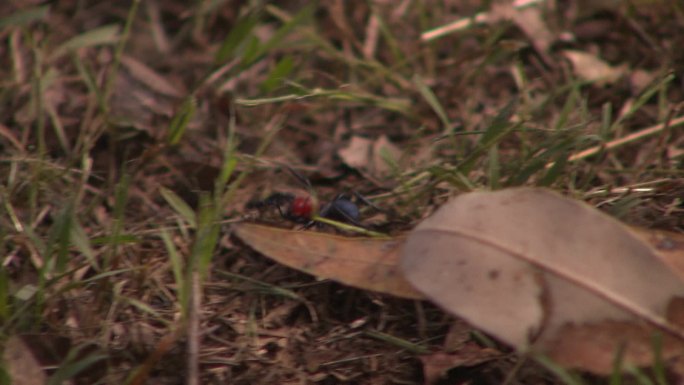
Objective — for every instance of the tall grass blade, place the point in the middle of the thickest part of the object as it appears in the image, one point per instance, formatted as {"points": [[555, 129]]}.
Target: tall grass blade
{"points": [[108, 34], [433, 102], [25, 16], [300, 18], [180, 120], [277, 75], [207, 236], [644, 98], [5, 309], [120, 201], [74, 364], [177, 266], [564, 375], [179, 205], [237, 35], [497, 130], [80, 240]]}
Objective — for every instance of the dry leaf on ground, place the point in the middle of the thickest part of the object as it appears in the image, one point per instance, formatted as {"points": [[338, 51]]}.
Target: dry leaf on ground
{"points": [[532, 267], [365, 263], [530, 20], [357, 154], [592, 68], [374, 157], [436, 365]]}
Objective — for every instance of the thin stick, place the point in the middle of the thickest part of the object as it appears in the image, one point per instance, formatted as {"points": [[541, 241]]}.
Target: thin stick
{"points": [[467, 22], [624, 140]]}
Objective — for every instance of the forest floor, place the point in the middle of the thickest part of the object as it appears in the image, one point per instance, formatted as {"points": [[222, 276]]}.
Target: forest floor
{"points": [[133, 135]]}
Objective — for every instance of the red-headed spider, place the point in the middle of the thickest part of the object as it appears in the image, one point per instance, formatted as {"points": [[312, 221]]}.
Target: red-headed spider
{"points": [[301, 209]]}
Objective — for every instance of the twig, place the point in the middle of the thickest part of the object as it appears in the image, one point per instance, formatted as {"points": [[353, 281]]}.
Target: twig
{"points": [[467, 22], [624, 140]]}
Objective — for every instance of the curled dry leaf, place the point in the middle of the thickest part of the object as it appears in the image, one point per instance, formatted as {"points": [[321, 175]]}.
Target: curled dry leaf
{"points": [[592, 68], [530, 19], [541, 271], [436, 365], [370, 156], [365, 263], [357, 154]]}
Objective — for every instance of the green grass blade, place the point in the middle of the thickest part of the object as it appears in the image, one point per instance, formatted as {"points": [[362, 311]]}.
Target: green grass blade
{"points": [[299, 19], [120, 201], [616, 374], [659, 364], [396, 341], [145, 308], [80, 240], [433, 102], [118, 53], [106, 35], [57, 247], [568, 107], [74, 364], [606, 118], [237, 35], [564, 375], [639, 376], [555, 171], [263, 287], [179, 205], [280, 72], [180, 120], [5, 307], [497, 130], [207, 236], [644, 98], [493, 167], [25, 16], [177, 266]]}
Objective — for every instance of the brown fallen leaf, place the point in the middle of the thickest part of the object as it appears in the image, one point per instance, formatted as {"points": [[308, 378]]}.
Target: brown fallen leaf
{"points": [[668, 246], [436, 365], [541, 271], [364, 263], [357, 154], [592, 68]]}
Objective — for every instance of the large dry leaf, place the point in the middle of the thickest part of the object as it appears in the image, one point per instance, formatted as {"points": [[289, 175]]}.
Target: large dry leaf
{"points": [[532, 267], [365, 263], [669, 246]]}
